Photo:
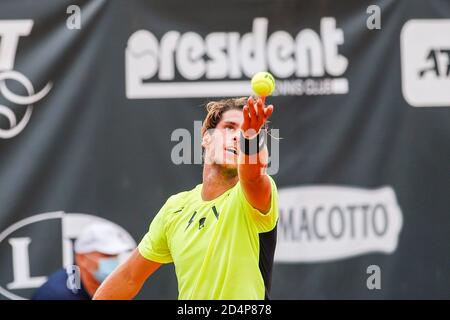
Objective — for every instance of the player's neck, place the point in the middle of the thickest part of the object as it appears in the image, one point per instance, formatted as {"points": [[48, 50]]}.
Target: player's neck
{"points": [[217, 180]]}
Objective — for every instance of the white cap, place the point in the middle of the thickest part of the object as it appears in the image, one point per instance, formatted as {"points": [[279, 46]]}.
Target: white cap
{"points": [[105, 238]]}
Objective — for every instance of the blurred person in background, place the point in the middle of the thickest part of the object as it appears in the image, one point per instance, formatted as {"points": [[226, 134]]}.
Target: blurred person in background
{"points": [[98, 250]]}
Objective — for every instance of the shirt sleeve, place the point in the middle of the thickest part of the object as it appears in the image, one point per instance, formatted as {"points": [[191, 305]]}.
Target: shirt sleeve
{"points": [[263, 222], [153, 245]]}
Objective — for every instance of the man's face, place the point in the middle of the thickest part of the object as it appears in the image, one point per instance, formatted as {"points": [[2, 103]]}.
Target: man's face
{"points": [[90, 261], [222, 143]]}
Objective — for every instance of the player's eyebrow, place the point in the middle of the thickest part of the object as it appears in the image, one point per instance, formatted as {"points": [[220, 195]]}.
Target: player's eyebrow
{"points": [[233, 123]]}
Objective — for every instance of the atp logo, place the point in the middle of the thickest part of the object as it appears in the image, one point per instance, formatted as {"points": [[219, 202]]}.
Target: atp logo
{"points": [[10, 33], [425, 57], [436, 68]]}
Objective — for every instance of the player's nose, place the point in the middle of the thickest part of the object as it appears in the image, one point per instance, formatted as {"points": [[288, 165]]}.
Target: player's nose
{"points": [[236, 140], [236, 136]]}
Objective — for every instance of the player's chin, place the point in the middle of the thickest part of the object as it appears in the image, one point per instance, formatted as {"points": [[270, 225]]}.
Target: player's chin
{"points": [[230, 170], [228, 161], [229, 166]]}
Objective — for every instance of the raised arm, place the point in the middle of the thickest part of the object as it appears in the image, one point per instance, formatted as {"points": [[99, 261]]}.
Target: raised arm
{"points": [[126, 281], [255, 183]]}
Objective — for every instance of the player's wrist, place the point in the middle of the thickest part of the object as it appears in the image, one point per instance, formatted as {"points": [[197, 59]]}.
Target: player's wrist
{"points": [[250, 133], [253, 142]]}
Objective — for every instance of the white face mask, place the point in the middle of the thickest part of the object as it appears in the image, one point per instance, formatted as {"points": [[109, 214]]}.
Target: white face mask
{"points": [[105, 267]]}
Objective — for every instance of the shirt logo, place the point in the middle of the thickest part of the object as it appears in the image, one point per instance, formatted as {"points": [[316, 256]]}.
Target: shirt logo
{"points": [[201, 223], [190, 220]]}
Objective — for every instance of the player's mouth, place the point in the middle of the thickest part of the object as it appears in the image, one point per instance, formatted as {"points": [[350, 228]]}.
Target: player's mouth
{"points": [[232, 150]]}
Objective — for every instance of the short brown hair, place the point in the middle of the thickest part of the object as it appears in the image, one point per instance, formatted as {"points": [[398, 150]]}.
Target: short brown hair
{"points": [[216, 109]]}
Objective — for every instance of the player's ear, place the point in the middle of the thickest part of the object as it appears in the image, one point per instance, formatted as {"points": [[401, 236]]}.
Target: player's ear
{"points": [[206, 139]]}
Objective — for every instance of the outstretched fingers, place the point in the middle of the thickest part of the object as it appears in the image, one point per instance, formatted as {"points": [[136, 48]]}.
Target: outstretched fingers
{"points": [[246, 114], [268, 112]]}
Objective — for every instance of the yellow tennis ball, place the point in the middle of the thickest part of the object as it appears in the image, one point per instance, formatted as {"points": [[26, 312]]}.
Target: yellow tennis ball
{"points": [[263, 84]]}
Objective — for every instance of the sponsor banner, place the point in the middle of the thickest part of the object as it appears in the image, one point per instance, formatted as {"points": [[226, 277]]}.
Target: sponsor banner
{"points": [[11, 32], [325, 223], [306, 63]]}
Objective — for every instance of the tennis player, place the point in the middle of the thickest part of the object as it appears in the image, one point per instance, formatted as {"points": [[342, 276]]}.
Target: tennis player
{"points": [[220, 235]]}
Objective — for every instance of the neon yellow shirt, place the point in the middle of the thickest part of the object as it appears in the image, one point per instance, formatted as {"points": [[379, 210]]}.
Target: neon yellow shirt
{"points": [[216, 245]]}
